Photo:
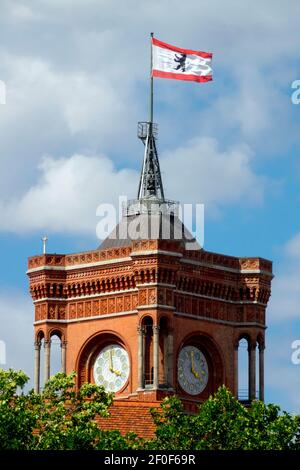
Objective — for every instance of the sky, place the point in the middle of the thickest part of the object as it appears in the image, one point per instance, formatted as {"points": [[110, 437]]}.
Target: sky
{"points": [[76, 74]]}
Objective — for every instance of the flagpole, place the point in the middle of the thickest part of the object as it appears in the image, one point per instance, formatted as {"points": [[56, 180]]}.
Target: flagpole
{"points": [[151, 83]]}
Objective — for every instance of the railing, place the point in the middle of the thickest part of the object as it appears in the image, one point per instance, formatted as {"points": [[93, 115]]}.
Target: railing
{"points": [[243, 394], [143, 130], [148, 378], [150, 206]]}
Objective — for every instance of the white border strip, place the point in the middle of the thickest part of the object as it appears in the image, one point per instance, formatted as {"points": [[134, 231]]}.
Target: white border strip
{"points": [[166, 307], [79, 320], [240, 302], [79, 266], [225, 268], [216, 320], [156, 252], [156, 284]]}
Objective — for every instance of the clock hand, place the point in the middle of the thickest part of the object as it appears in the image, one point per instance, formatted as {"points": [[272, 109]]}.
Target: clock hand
{"points": [[110, 361], [111, 366], [192, 363], [194, 372], [192, 358]]}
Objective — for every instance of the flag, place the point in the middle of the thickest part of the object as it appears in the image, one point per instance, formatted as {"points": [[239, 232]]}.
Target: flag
{"points": [[180, 64]]}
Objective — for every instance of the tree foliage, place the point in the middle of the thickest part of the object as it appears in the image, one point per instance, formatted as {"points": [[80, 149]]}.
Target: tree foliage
{"points": [[17, 411], [60, 418], [223, 423], [67, 416], [64, 418]]}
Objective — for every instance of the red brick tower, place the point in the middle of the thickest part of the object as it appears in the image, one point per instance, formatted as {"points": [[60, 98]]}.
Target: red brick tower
{"points": [[151, 316]]}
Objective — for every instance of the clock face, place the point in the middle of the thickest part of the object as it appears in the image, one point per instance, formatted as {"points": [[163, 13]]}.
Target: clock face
{"points": [[111, 368], [192, 370]]}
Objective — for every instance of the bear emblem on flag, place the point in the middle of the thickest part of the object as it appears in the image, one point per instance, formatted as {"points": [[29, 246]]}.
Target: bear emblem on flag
{"points": [[181, 62]]}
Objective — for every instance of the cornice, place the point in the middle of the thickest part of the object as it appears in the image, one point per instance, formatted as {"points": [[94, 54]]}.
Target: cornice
{"points": [[220, 299], [225, 268], [157, 252], [79, 320], [79, 266], [216, 320]]}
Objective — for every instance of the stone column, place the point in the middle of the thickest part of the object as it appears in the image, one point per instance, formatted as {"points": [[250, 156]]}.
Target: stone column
{"points": [[63, 345], [47, 346], [252, 370], [37, 366], [170, 360], [141, 381], [236, 370], [155, 355], [261, 372], [144, 355]]}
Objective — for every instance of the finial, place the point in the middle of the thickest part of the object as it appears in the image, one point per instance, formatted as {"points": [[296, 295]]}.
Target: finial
{"points": [[44, 240]]}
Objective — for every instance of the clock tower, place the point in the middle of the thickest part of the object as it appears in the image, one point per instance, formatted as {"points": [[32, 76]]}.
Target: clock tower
{"points": [[150, 313]]}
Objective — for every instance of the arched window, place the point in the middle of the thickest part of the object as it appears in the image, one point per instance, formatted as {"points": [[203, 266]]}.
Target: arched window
{"points": [[38, 360], [147, 324], [243, 370], [246, 368], [44, 364], [55, 361]]}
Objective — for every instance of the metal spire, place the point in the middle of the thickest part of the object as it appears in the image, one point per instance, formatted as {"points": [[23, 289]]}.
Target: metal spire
{"points": [[150, 185], [150, 181], [151, 198]]}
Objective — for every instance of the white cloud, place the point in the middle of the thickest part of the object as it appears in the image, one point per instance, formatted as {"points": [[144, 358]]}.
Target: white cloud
{"points": [[292, 247], [48, 110], [202, 172], [22, 13], [66, 196], [68, 190], [254, 109]]}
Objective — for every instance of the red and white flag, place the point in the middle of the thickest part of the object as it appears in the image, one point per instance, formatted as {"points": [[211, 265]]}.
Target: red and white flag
{"points": [[180, 64]]}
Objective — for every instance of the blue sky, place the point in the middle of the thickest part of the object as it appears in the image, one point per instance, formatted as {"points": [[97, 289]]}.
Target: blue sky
{"points": [[76, 75]]}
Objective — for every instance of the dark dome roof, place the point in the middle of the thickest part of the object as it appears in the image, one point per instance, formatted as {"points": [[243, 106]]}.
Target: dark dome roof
{"points": [[149, 227]]}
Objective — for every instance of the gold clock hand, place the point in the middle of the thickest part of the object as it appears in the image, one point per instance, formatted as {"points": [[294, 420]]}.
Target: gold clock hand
{"points": [[194, 372], [111, 367], [192, 363], [110, 361], [192, 358]]}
